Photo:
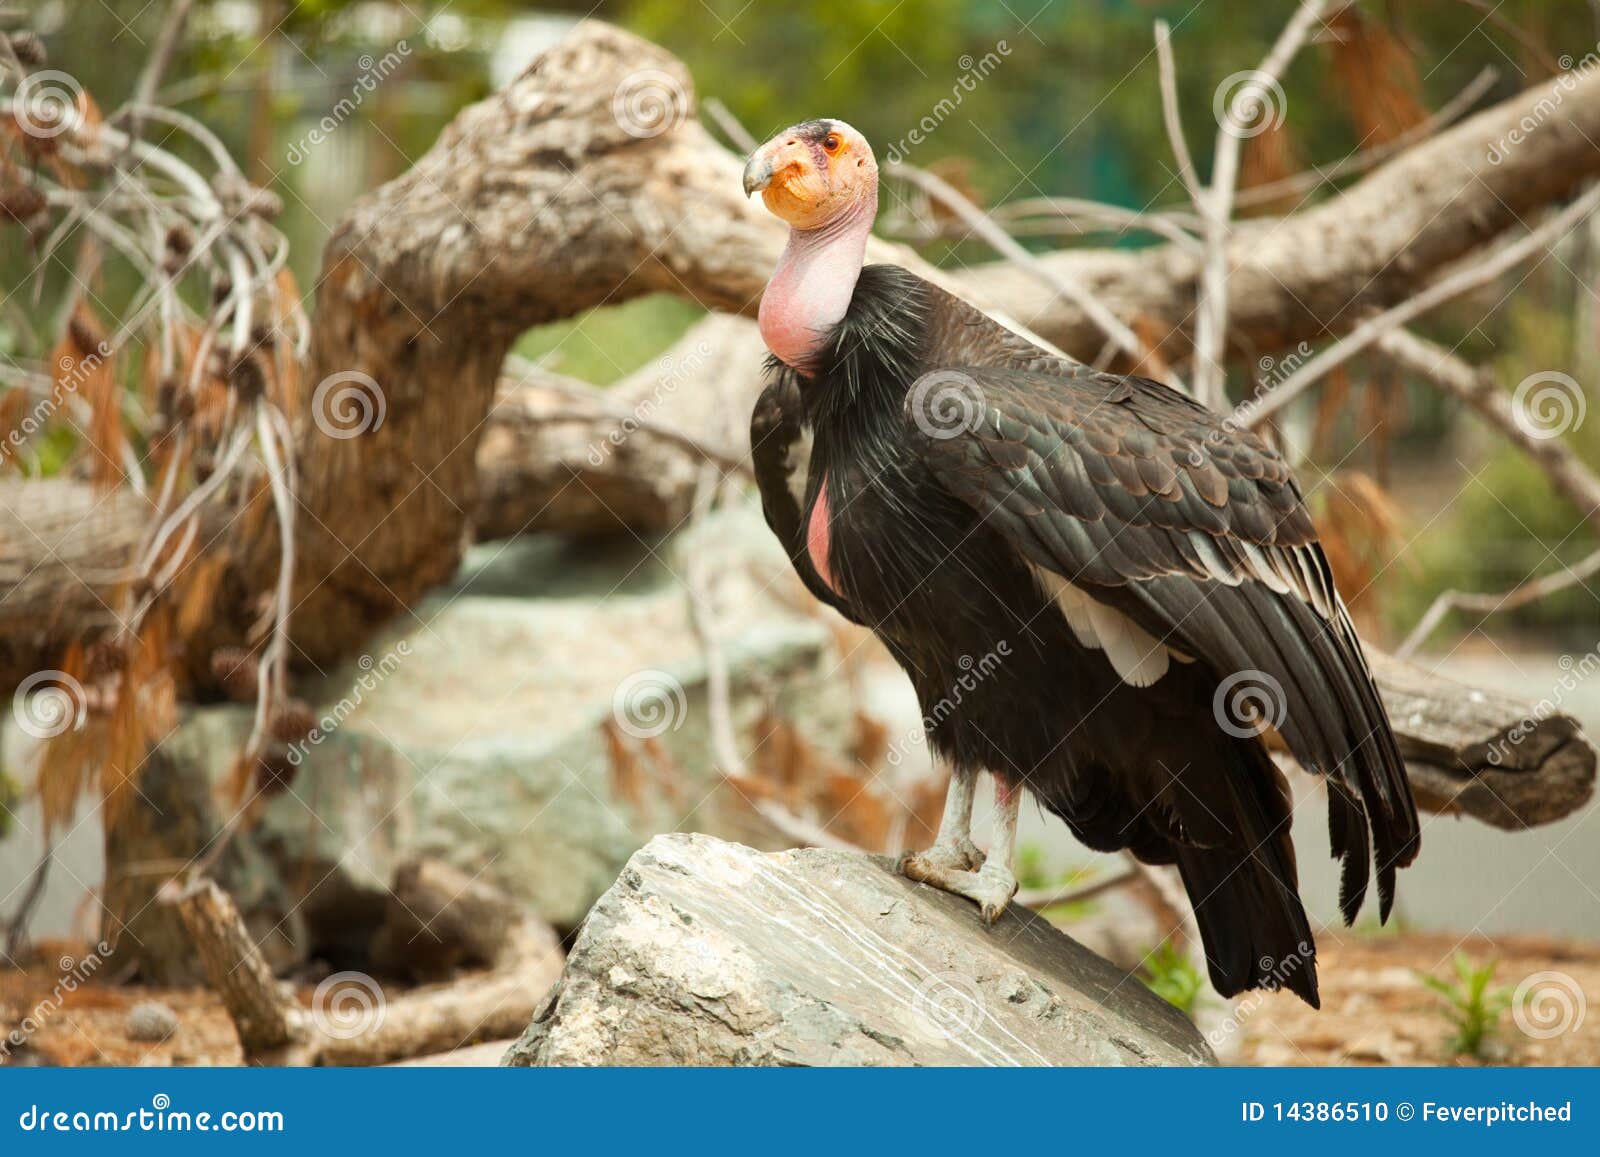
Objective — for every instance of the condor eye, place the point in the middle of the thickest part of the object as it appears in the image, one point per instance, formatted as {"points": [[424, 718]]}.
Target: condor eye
{"points": [[832, 142]]}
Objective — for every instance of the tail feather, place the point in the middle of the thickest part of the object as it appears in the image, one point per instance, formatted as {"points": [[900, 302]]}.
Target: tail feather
{"points": [[1252, 925]]}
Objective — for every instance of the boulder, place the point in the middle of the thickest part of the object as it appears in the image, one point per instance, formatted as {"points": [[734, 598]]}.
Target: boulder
{"points": [[709, 953], [533, 724]]}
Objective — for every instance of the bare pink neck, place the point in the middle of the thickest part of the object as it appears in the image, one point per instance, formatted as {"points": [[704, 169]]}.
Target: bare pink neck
{"points": [[810, 291]]}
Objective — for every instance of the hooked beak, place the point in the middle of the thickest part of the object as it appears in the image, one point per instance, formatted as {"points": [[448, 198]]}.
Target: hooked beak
{"points": [[757, 174]]}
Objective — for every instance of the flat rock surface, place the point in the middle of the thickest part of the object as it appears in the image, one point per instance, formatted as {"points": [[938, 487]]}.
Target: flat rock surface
{"points": [[710, 953]]}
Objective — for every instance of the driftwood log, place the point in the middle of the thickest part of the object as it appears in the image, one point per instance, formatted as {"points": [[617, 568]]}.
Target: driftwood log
{"points": [[361, 1026], [1503, 760], [558, 455]]}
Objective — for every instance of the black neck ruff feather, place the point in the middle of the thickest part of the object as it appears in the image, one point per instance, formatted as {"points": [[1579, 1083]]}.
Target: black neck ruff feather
{"points": [[872, 355]]}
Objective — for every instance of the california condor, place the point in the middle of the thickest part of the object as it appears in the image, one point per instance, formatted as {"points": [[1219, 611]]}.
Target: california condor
{"points": [[1136, 566]]}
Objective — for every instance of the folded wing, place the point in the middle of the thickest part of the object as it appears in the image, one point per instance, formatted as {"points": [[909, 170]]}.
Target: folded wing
{"points": [[1147, 503]]}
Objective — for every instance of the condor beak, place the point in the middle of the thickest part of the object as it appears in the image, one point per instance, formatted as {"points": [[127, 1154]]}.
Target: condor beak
{"points": [[757, 174]]}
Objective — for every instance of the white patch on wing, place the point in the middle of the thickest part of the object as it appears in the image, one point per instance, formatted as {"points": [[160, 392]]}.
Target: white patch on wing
{"points": [[1290, 572], [1211, 558], [1264, 568], [797, 466], [1138, 657]]}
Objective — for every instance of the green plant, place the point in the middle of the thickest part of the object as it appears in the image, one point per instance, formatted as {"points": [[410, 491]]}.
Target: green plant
{"points": [[1033, 873], [1469, 1003], [1170, 974], [10, 796]]}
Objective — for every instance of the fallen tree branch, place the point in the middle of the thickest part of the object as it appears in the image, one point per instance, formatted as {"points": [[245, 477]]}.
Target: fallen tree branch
{"points": [[560, 456], [361, 1026], [1302, 183], [1505, 761]]}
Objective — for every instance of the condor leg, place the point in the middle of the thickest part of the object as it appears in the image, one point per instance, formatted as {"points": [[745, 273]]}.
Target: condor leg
{"points": [[993, 884], [953, 849]]}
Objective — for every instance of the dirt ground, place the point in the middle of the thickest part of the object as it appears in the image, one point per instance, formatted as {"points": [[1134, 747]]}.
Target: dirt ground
{"points": [[87, 1026], [1375, 1010]]}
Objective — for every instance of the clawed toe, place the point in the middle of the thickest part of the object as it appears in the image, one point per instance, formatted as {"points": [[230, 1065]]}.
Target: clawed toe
{"points": [[991, 887], [940, 860], [992, 890]]}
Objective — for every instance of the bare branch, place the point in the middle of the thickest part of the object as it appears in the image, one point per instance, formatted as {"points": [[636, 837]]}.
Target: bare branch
{"points": [[1478, 389], [1469, 277], [1254, 99], [1003, 243], [155, 66], [1302, 183], [1528, 592], [1173, 120]]}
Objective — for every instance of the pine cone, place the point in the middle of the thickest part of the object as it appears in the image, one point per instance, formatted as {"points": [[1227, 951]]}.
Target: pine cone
{"points": [[247, 378], [29, 48], [103, 658], [21, 203], [235, 669], [294, 721], [274, 771]]}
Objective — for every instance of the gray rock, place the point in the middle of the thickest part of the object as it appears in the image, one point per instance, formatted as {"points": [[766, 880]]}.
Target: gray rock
{"points": [[709, 953], [491, 728], [150, 1021]]}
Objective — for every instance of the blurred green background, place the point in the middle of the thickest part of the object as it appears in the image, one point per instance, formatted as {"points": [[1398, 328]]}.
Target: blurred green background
{"points": [[1072, 109]]}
